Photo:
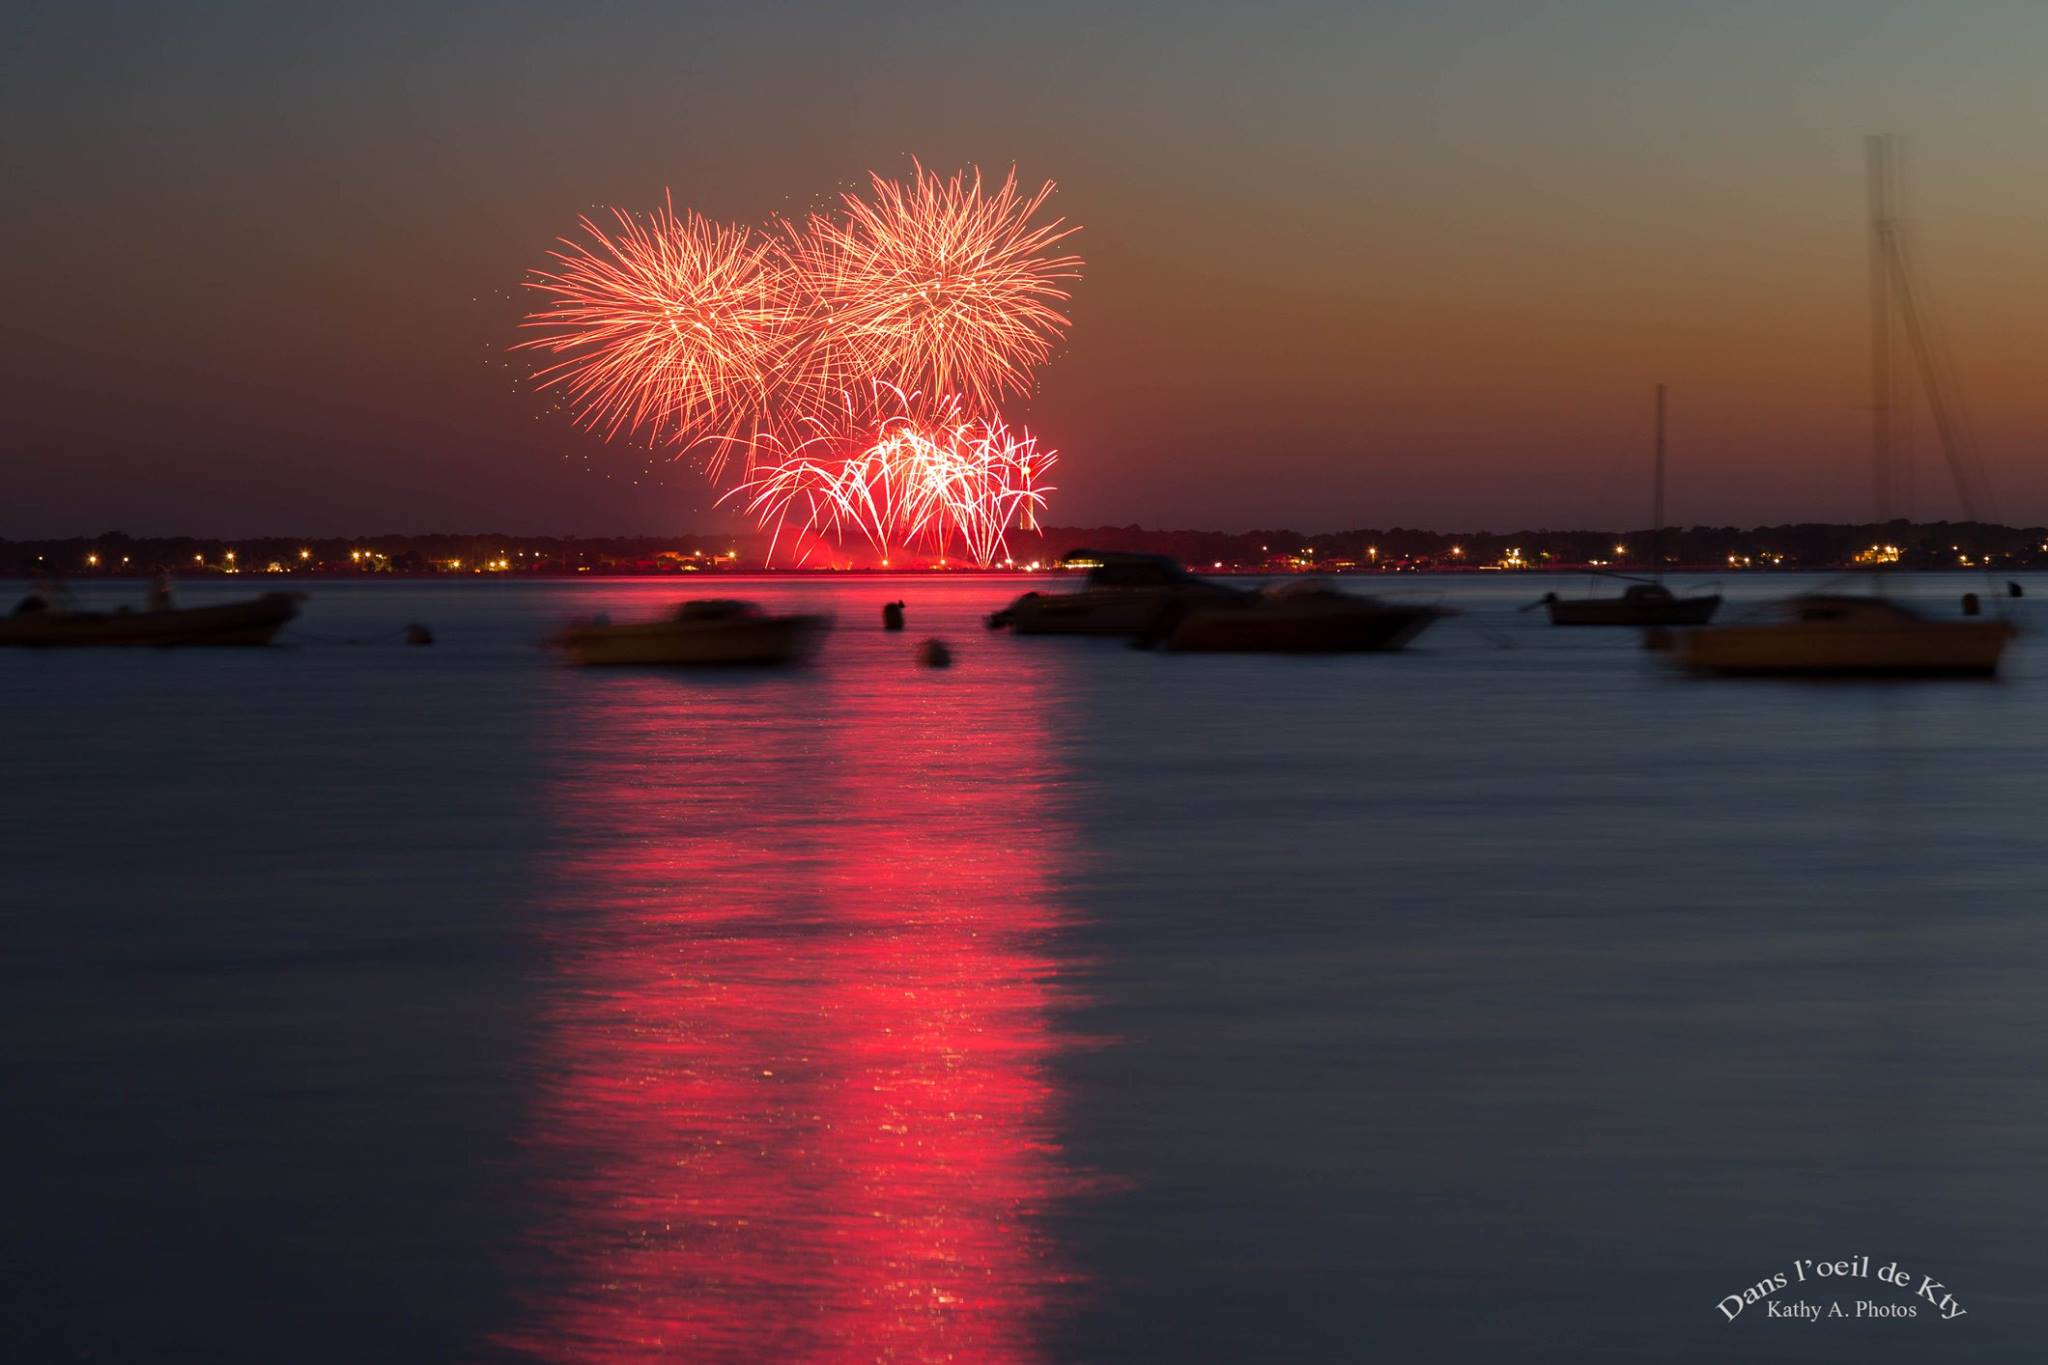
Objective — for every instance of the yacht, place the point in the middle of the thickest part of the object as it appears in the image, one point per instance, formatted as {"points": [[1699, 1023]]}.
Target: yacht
{"points": [[1640, 604], [1847, 636], [1302, 616], [1829, 635], [1124, 594], [697, 634], [42, 623]]}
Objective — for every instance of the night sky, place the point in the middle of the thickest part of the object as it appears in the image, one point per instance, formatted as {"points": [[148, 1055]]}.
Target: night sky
{"points": [[1347, 264]]}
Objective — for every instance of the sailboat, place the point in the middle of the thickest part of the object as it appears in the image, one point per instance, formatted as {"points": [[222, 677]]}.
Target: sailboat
{"points": [[1643, 603], [1836, 635]]}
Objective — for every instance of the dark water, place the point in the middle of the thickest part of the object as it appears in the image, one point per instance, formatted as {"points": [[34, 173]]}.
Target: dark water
{"points": [[1506, 999]]}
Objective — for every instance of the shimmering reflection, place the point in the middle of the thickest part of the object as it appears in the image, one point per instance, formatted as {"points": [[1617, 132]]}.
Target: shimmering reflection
{"points": [[795, 1098]]}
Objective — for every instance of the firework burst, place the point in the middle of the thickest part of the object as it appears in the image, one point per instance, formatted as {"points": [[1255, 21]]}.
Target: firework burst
{"points": [[938, 285], [674, 327], [800, 353]]}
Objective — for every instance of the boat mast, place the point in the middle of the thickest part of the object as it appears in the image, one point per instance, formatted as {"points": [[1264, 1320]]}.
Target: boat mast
{"points": [[1657, 496], [1893, 290], [1943, 404], [1878, 155]]}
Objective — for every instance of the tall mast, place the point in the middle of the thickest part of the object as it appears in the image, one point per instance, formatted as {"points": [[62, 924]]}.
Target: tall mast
{"points": [[1657, 495], [1878, 153], [1893, 291]]}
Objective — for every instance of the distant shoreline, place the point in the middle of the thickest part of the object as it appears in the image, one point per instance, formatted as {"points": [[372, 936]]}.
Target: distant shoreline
{"points": [[1812, 547], [999, 571]]}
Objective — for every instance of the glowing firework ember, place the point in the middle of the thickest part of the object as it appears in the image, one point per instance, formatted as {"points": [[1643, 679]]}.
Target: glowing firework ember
{"points": [[784, 348], [930, 482]]}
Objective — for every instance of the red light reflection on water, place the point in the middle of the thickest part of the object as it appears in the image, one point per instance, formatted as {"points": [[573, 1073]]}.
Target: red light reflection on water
{"points": [[795, 1092]]}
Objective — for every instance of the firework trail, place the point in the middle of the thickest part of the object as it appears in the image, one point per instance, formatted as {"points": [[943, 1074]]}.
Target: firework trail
{"points": [[972, 482], [818, 486], [801, 353], [916, 480], [676, 328]]}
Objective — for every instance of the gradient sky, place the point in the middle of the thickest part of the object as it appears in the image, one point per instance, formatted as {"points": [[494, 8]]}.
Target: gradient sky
{"points": [[1348, 264]]}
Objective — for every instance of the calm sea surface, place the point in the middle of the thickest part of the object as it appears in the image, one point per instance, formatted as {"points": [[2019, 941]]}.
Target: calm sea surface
{"points": [[1506, 999]]}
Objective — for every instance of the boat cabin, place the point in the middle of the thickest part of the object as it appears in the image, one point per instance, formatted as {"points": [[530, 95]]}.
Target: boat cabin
{"points": [[1845, 607], [1117, 569]]}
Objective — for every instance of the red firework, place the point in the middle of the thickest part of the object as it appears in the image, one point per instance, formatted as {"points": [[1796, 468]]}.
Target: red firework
{"points": [[943, 482], [777, 346], [677, 328], [938, 285]]}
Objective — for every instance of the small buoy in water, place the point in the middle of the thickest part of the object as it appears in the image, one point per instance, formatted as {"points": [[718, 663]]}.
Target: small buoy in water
{"points": [[892, 616], [934, 654], [2014, 590], [1970, 607], [417, 634]]}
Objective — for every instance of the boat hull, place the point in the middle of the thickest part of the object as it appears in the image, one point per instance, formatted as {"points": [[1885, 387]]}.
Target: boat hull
{"points": [[1618, 611], [1930, 649], [756, 642], [1285, 630], [235, 623]]}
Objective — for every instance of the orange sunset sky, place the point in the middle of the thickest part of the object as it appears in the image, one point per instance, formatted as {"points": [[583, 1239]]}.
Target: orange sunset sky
{"points": [[1347, 265]]}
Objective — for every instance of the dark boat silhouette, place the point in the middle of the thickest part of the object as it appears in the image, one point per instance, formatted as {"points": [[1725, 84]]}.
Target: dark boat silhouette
{"points": [[697, 634], [1641, 604], [233, 623], [1125, 594], [1306, 616]]}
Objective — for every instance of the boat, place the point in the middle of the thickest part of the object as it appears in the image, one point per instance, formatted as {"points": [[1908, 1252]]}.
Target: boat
{"points": [[1829, 635], [1851, 636], [1302, 616], [1641, 603], [39, 625], [716, 633], [1124, 594]]}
